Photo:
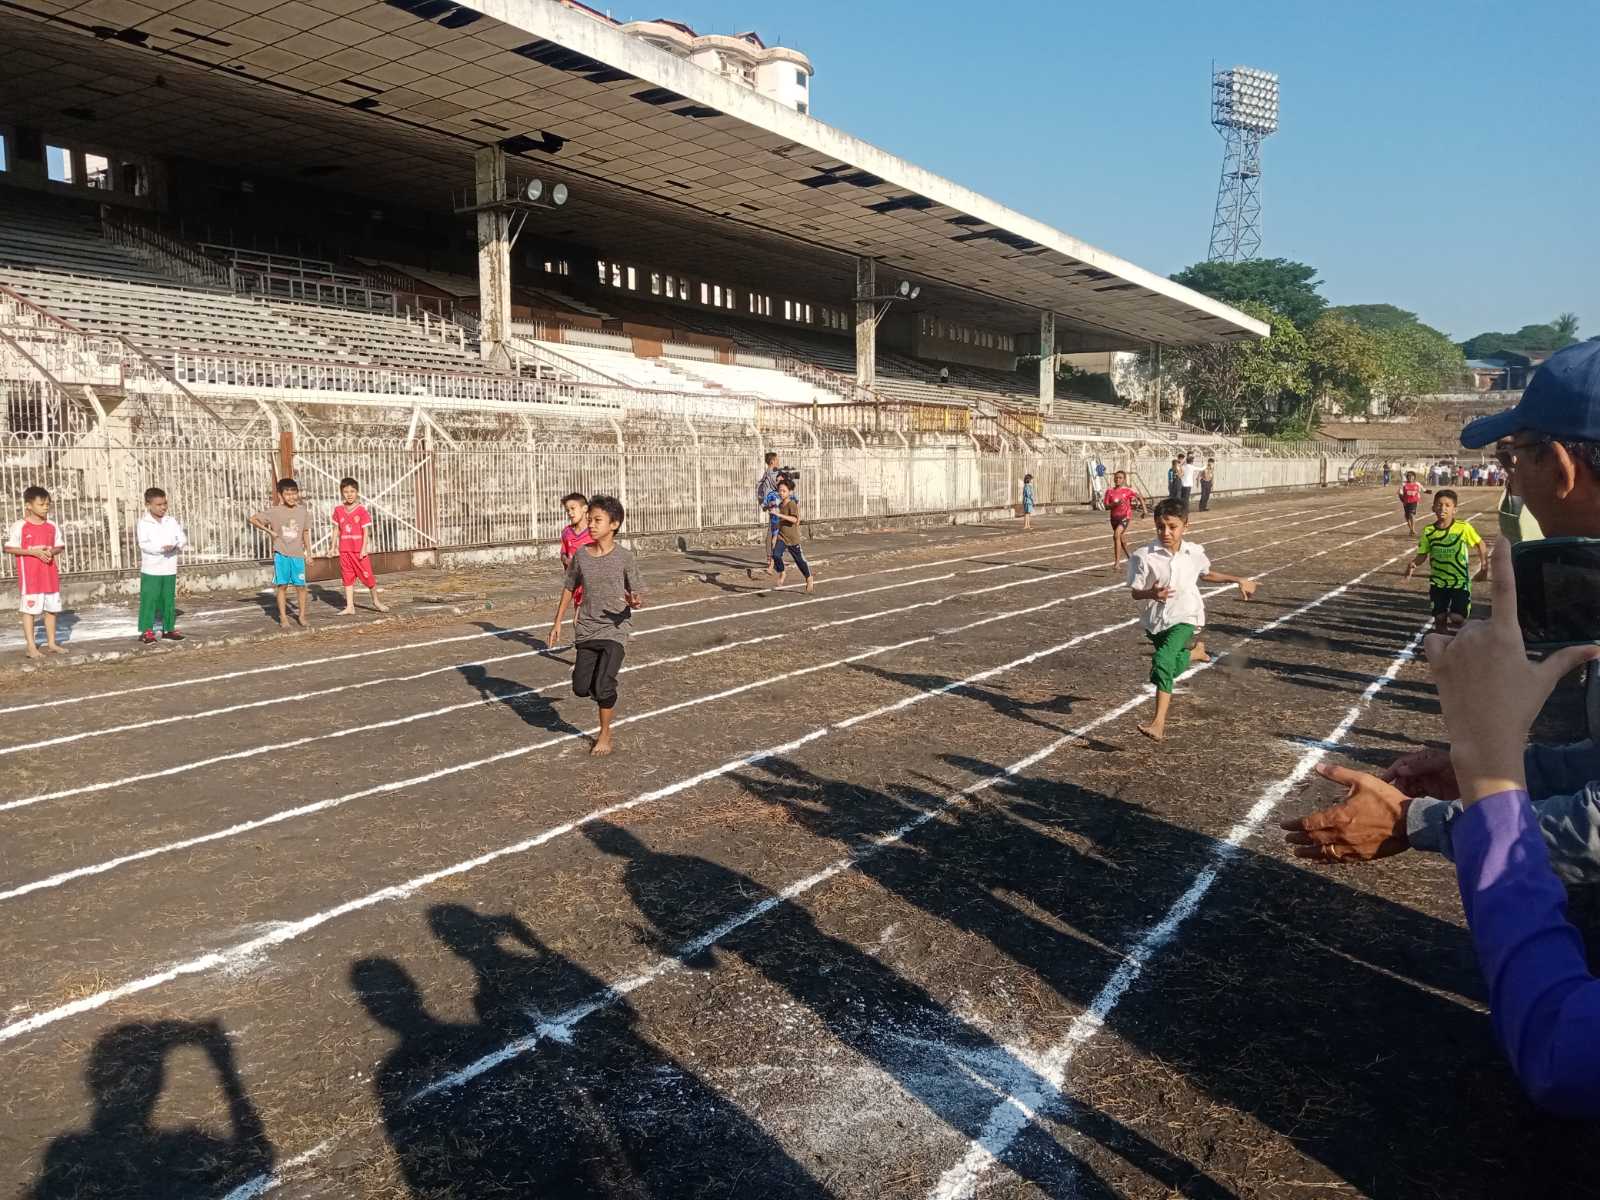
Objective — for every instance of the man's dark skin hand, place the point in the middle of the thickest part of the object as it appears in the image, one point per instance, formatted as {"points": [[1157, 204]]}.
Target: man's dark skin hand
{"points": [[1370, 822]]}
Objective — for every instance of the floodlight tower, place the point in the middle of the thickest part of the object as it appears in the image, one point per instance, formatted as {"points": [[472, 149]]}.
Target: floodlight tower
{"points": [[1244, 109]]}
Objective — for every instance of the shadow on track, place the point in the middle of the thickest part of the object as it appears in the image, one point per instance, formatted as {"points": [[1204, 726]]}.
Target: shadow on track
{"points": [[953, 1069], [593, 1111], [1349, 1026], [123, 1155]]}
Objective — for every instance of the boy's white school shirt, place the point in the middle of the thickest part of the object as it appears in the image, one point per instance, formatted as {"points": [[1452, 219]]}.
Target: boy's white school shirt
{"points": [[1153, 565], [153, 535]]}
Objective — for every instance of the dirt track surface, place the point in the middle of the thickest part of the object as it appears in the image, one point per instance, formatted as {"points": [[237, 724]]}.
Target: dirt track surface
{"points": [[882, 896]]}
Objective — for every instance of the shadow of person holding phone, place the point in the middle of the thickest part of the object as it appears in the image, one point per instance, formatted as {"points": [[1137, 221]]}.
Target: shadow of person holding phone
{"points": [[123, 1154]]}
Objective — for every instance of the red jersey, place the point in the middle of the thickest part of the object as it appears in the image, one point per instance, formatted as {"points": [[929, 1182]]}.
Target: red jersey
{"points": [[571, 539], [1410, 492], [351, 521], [1119, 502], [34, 576]]}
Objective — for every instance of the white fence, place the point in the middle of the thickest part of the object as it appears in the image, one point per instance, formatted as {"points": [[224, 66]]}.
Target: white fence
{"points": [[430, 494]]}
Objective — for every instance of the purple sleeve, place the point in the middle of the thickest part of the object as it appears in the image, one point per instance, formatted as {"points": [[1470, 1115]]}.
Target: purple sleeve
{"points": [[1544, 1004]]}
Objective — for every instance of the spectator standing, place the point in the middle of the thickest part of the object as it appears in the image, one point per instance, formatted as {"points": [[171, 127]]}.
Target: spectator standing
{"points": [[35, 542], [1027, 502], [1385, 474], [160, 539], [1174, 481], [1208, 479], [287, 522], [766, 489], [1188, 479]]}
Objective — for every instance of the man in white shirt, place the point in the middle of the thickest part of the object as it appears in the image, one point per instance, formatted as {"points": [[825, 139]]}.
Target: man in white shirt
{"points": [[160, 539], [1188, 479], [1166, 575]]}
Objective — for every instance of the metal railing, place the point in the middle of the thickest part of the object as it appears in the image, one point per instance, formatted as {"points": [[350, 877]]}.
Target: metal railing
{"points": [[331, 293], [177, 256]]}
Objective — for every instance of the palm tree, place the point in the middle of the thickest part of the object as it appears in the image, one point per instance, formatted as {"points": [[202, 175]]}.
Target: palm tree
{"points": [[1566, 327]]}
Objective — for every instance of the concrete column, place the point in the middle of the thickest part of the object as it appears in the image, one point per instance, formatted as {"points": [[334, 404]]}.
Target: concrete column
{"points": [[494, 258], [1047, 363], [866, 322]]}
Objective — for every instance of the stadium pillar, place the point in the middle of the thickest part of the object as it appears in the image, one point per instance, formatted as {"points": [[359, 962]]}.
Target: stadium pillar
{"points": [[494, 258], [866, 322], [1047, 362]]}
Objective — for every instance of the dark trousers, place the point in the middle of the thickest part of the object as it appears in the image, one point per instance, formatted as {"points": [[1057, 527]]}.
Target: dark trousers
{"points": [[1184, 494], [594, 670], [1205, 496], [793, 548]]}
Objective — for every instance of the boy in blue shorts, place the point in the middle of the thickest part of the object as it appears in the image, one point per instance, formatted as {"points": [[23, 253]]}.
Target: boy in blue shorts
{"points": [[288, 524]]}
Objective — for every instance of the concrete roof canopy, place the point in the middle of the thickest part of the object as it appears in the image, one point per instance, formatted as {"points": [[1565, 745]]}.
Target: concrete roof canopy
{"points": [[668, 164]]}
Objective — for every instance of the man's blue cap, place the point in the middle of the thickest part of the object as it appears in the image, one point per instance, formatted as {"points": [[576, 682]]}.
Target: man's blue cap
{"points": [[1562, 400]]}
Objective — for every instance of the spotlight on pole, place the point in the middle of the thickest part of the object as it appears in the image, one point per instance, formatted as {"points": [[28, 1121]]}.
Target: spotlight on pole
{"points": [[558, 195], [1244, 110]]}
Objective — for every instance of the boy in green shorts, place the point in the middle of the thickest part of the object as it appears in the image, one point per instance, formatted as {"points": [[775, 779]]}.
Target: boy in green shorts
{"points": [[1444, 546], [1166, 575]]}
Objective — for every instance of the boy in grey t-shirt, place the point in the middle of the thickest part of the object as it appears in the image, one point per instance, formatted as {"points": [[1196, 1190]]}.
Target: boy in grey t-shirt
{"points": [[611, 587]]}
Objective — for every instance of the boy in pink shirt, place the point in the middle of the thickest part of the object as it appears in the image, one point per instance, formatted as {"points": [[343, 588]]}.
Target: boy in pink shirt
{"points": [[352, 521], [36, 544], [574, 535]]}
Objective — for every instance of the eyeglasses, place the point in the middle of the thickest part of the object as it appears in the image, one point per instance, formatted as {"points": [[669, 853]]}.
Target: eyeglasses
{"points": [[1507, 456]]}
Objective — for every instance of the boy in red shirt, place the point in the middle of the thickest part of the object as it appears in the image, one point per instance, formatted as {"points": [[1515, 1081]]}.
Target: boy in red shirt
{"points": [[1120, 501], [352, 520], [574, 535], [36, 544], [1410, 495]]}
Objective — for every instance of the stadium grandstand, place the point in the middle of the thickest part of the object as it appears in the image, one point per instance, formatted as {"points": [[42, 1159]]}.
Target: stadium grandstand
{"points": [[520, 244]]}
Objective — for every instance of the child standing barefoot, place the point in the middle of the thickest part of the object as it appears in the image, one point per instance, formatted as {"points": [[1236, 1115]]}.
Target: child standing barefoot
{"points": [[352, 521], [36, 544], [1166, 575]]}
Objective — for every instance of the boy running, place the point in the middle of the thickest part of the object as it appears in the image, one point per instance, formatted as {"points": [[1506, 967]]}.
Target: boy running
{"points": [[36, 544], [286, 522], [1444, 547], [1410, 494], [789, 535], [576, 534], [1121, 501], [352, 520], [609, 579], [160, 538], [1166, 575]]}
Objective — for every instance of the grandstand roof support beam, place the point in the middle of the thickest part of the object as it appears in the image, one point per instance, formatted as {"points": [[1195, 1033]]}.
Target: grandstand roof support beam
{"points": [[1047, 362], [866, 322], [494, 257]]}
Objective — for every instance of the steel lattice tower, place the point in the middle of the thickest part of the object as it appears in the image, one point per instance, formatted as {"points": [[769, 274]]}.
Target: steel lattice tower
{"points": [[1244, 110]]}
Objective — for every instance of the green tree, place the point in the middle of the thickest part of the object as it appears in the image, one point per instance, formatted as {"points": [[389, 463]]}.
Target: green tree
{"points": [[1566, 326], [1345, 362], [1288, 287], [1375, 317], [1257, 384], [1417, 361], [1530, 339]]}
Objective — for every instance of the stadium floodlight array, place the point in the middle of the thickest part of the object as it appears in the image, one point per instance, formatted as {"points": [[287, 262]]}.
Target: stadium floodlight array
{"points": [[1244, 110], [1245, 98]]}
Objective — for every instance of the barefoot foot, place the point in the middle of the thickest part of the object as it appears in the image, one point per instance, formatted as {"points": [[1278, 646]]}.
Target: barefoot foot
{"points": [[381, 607], [304, 624], [601, 746], [33, 652], [1151, 732], [810, 584], [347, 612], [55, 649]]}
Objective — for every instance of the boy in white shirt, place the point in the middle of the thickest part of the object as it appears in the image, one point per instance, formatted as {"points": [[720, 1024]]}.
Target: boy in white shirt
{"points": [[160, 539], [1166, 575]]}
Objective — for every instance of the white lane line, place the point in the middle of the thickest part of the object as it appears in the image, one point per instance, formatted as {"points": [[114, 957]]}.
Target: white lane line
{"points": [[500, 633], [167, 721], [441, 710], [242, 952], [1015, 1112], [560, 1028]]}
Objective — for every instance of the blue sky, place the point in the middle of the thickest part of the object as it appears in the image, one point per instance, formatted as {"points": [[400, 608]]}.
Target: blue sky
{"points": [[1438, 156]]}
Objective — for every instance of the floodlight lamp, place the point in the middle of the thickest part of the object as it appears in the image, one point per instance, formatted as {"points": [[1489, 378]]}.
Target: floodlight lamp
{"points": [[905, 288], [559, 194], [915, 292], [535, 189]]}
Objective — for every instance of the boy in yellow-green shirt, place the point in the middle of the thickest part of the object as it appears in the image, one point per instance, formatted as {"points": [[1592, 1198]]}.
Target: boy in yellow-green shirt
{"points": [[1445, 546]]}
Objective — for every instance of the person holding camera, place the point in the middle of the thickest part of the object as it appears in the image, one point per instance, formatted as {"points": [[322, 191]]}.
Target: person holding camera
{"points": [[1549, 445]]}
